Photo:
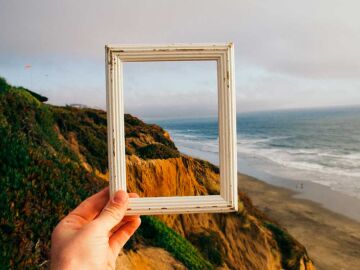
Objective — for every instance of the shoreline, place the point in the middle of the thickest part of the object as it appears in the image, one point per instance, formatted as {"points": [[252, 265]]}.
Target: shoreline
{"points": [[325, 221], [326, 197], [331, 239]]}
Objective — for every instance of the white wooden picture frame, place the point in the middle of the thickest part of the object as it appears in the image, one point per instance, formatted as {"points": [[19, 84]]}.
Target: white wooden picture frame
{"points": [[223, 54]]}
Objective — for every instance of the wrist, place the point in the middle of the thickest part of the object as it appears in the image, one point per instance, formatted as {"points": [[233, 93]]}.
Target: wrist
{"points": [[66, 262]]}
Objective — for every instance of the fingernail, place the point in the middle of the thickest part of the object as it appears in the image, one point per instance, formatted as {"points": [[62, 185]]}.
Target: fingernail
{"points": [[120, 197]]}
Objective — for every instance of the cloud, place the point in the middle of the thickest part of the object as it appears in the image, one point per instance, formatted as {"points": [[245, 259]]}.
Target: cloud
{"points": [[284, 49], [171, 89]]}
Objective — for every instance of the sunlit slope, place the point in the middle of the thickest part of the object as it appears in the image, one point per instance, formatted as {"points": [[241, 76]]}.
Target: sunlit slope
{"points": [[54, 157]]}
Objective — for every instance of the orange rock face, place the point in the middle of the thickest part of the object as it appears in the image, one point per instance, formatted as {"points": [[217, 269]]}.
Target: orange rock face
{"points": [[240, 238], [182, 176]]}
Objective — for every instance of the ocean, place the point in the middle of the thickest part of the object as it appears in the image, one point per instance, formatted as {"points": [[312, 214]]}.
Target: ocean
{"points": [[317, 145]]}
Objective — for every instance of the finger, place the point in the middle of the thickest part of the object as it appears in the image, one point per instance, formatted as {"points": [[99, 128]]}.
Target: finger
{"points": [[133, 195], [122, 235], [114, 211], [126, 218], [91, 207]]}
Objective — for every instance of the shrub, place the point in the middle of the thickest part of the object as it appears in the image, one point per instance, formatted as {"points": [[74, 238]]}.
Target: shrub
{"points": [[210, 245], [291, 251], [3, 85], [36, 95], [135, 128], [157, 151]]}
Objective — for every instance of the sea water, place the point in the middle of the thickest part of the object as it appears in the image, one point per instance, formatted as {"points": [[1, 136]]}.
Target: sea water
{"points": [[318, 145]]}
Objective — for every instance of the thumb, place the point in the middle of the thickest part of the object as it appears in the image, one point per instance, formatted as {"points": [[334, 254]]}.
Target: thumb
{"points": [[114, 211]]}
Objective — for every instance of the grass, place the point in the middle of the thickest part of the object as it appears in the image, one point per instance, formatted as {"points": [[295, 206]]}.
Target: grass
{"points": [[41, 178], [40, 183], [158, 234], [89, 128]]}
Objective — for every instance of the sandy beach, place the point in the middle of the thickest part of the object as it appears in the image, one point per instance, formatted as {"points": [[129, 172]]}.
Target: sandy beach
{"points": [[325, 221], [332, 239]]}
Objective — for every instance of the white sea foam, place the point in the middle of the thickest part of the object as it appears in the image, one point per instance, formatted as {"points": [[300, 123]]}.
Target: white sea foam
{"points": [[338, 171], [306, 159]]}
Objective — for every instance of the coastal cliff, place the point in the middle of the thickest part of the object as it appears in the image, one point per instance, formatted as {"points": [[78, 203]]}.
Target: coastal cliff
{"points": [[54, 157], [242, 240]]}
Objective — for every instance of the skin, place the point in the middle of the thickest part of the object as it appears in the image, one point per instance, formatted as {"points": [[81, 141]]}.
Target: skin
{"points": [[93, 234]]}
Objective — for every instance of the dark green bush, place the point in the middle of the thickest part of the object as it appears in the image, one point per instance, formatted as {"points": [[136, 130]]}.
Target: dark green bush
{"points": [[3, 85], [210, 245], [157, 151], [36, 95], [135, 128], [208, 165], [291, 251]]}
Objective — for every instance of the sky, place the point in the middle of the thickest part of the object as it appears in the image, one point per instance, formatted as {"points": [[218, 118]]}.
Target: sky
{"points": [[289, 54], [181, 89]]}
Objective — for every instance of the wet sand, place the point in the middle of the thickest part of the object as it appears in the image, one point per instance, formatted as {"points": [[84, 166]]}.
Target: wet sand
{"points": [[331, 239]]}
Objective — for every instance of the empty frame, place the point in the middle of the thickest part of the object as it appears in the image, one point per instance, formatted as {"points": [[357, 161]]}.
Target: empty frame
{"points": [[223, 54]]}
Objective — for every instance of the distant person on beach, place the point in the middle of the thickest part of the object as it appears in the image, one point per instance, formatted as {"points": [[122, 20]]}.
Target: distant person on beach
{"points": [[93, 234], [301, 186]]}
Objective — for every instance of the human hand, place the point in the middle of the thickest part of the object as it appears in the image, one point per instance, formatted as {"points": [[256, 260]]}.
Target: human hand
{"points": [[92, 235]]}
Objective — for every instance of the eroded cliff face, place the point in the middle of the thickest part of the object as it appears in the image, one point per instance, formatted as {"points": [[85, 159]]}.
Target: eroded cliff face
{"points": [[242, 240], [246, 239], [148, 258], [182, 176]]}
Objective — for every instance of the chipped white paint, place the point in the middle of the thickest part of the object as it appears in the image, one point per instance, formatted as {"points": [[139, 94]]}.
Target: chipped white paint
{"points": [[224, 55]]}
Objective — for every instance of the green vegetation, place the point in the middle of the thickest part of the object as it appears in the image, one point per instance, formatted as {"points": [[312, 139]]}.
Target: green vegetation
{"points": [[291, 252], [210, 245], [157, 150], [158, 234], [88, 128], [3, 85], [136, 129], [42, 179], [207, 165], [36, 95]]}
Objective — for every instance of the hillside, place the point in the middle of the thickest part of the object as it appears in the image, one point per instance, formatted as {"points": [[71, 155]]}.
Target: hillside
{"points": [[53, 157]]}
